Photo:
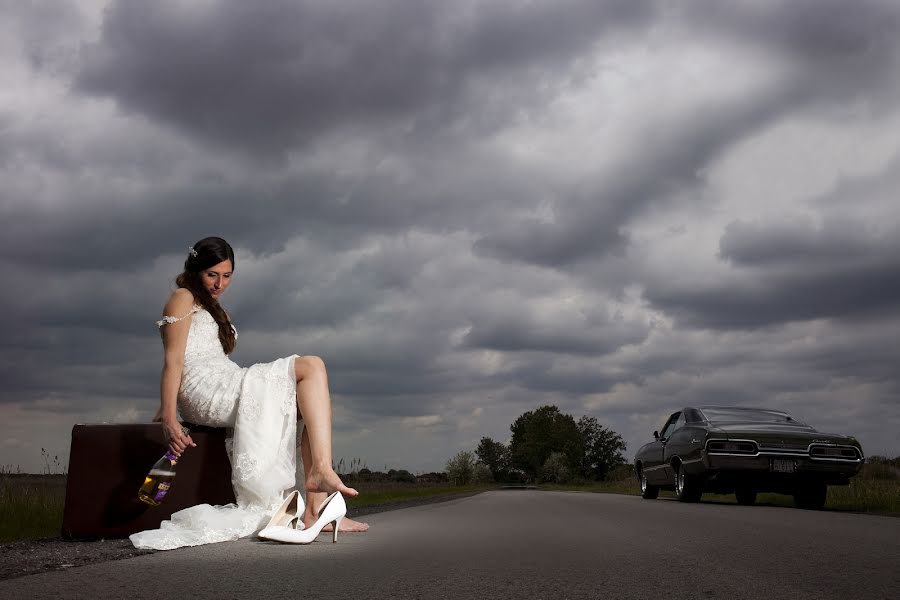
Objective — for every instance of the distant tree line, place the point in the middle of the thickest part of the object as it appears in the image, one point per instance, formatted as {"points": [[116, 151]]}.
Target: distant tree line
{"points": [[884, 460], [882, 467], [546, 446], [357, 472]]}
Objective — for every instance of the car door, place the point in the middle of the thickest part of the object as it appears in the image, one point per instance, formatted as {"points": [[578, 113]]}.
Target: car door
{"points": [[674, 444], [654, 462]]}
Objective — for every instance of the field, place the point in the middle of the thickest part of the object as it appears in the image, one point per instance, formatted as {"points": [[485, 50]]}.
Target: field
{"points": [[31, 506]]}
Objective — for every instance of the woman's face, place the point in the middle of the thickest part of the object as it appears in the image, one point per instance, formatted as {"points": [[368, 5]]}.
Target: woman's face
{"points": [[216, 278]]}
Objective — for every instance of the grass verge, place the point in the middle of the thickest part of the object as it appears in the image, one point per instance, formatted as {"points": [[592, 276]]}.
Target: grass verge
{"points": [[31, 506], [866, 493], [377, 496]]}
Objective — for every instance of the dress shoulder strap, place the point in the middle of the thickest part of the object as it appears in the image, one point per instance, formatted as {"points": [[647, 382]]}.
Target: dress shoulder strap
{"points": [[167, 320]]}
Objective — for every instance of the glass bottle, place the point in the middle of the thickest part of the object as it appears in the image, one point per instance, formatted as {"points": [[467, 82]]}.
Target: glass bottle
{"points": [[159, 480]]}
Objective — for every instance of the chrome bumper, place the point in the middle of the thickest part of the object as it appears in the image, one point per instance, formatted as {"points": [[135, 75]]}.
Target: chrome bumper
{"points": [[765, 462]]}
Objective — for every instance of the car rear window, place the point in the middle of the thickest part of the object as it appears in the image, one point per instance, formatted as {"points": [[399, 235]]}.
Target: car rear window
{"points": [[747, 414]]}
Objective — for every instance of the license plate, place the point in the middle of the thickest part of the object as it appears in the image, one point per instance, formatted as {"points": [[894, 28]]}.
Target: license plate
{"points": [[784, 465]]}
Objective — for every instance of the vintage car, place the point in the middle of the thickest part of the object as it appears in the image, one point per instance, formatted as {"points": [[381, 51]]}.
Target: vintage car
{"points": [[726, 450]]}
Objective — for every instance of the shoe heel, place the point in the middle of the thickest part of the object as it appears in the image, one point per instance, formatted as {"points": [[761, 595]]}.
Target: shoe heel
{"points": [[336, 525]]}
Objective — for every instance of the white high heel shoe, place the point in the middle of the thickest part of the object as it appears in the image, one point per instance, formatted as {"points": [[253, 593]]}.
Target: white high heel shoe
{"points": [[333, 510], [286, 517]]}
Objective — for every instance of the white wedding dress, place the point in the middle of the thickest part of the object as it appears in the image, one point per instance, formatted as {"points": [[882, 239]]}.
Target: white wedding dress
{"points": [[258, 406]]}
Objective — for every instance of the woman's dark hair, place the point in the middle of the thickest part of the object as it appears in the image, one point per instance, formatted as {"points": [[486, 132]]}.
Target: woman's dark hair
{"points": [[207, 253]]}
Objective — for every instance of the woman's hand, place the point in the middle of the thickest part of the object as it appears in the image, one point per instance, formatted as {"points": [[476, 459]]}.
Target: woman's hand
{"points": [[177, 437]]}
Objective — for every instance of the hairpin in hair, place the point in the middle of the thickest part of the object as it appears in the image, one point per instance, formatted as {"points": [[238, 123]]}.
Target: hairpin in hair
{"points": [[192, 251]]}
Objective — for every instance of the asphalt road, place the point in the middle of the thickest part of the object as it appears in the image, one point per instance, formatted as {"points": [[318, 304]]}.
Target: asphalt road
{"points": [[526, 544]]}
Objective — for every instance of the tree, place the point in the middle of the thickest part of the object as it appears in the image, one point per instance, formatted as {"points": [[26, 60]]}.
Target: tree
{"points": [[495, 456], [461, 468], [481, 473], [536, 434], [556, 469], [401, 476], [603, 448]]}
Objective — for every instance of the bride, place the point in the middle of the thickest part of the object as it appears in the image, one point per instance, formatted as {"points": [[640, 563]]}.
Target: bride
{"points": [[259, 405]]}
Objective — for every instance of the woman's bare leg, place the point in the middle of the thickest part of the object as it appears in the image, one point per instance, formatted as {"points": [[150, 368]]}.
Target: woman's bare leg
{"points": [[314, 405], [314, 499]]}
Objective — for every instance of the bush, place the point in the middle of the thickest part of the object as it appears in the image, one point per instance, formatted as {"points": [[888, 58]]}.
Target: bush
{"points": [[482, 474], [516, 477], [432, 477], [879, 470], [556, 469], [461, 468], [402, 476], [620, 473]]}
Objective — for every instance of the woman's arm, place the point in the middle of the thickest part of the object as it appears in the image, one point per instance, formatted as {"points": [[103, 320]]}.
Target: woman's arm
{"points": [[174, 341]]}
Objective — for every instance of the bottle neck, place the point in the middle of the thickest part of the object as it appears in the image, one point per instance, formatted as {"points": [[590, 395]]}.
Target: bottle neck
{"points": [[171, 456]]}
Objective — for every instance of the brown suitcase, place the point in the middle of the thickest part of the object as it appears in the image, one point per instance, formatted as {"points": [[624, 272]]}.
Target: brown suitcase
{"points": [[108, 463]]}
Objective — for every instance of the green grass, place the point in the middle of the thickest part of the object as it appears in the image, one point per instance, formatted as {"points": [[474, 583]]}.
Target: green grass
{"points": [[875, 490], [866, 494], [31, 506], [624, 486], [387, 493]]}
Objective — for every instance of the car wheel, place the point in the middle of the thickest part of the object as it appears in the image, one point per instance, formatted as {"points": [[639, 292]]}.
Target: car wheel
{"points": [[745, 495], [648, 492], [811, 495], [687, 488]]}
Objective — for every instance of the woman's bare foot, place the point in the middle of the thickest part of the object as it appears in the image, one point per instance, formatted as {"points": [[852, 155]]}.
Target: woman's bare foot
{"points": [[314, 503], [326, 480]]}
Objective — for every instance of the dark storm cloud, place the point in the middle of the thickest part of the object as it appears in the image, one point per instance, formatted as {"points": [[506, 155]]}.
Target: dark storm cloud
{"points": [[870, 354], [371, 163], [111, 226], [97, 231], [830, 33], [269, 76], [82, 364], [802, 244], [99, 228], [544, 374], [592, 218], [834, 53], [791, 272]]}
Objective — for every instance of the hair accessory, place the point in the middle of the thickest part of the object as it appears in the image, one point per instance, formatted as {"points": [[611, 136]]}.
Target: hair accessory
{"points": [[192, 251]]}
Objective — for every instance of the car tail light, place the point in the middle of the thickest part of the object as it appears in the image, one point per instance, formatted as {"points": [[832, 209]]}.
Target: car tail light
{"points": [[834, 452], [731, 447]]}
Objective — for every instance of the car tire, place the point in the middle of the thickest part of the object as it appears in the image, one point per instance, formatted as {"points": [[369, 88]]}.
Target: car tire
{"points": [[687, 488], [648, 492], [811, 495], [746, 495]]}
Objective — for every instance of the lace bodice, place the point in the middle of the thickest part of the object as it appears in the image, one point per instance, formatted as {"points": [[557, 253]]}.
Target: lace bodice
{"points": [[203, 338]]}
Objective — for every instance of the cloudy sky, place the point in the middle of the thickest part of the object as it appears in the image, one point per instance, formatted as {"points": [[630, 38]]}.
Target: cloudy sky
{"points": [[468, 208]]}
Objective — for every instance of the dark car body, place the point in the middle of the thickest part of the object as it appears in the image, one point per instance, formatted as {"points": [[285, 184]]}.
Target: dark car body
{"points": [[741, 450]]}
